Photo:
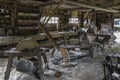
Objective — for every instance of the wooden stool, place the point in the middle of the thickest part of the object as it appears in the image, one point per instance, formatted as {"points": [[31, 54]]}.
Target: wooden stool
{"points": [[13, 54]]}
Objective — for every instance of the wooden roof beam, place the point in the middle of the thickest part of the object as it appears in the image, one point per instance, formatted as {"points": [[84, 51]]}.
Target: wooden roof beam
{"points": [[32, 2], [90, 6]]}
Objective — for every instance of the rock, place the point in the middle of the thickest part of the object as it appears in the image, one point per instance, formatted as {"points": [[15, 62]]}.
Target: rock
{"points": [[116, 75], [16, 75], [53, 73], [76, 55], [25, 66], [68, 64], [65, 64], [57, 60], [73, 63], [113, 38], [57, 74]]}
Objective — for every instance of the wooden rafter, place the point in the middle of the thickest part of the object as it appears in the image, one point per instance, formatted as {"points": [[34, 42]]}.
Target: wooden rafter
{"points": [[43, 28], [90, 6]]}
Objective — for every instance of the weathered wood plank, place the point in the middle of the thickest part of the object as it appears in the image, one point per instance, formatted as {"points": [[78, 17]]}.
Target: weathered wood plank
{"points": [[15, 39]]}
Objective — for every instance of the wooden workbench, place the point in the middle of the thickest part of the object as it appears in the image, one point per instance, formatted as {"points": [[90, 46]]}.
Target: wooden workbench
{"points": [[15, 39]]}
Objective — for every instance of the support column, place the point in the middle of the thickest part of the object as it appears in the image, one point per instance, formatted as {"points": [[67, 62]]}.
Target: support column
{"points": [[63, 19], [81, 19]]}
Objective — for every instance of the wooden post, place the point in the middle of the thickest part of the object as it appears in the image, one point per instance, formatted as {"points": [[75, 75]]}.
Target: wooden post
{"points": [[43, 28], [112, 21], [81, 19], [14, 17], [40, 66], [9, 66]]}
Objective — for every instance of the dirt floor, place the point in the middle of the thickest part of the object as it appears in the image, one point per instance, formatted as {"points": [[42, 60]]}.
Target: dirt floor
{"points": [[86, 68]]}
